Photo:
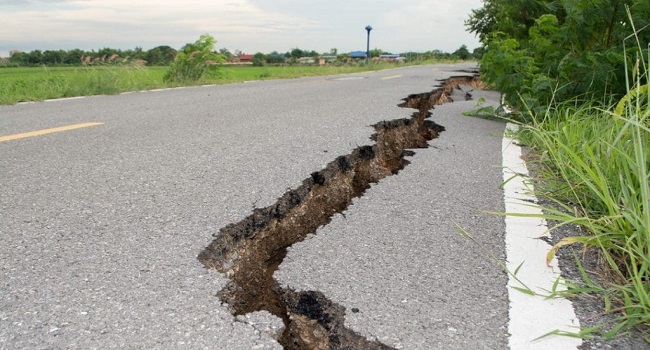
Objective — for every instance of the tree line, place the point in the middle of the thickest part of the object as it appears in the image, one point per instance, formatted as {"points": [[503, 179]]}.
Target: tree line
{"points": [[160, 55], [539, 51], [164, 56]]}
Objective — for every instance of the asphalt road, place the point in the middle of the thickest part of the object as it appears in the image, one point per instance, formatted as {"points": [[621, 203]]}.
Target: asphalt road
{"points": [[101, 226]]}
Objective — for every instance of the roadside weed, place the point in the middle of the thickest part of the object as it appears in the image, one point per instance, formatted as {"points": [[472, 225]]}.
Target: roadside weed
{"points": [[594, 165]]}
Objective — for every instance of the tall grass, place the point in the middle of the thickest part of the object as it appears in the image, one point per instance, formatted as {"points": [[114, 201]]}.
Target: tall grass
{"points": [[35, 84], [595, 166]]}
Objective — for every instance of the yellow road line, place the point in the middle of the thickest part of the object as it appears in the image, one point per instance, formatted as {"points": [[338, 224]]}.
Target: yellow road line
{"points": [[391, 77], [47, 131]]}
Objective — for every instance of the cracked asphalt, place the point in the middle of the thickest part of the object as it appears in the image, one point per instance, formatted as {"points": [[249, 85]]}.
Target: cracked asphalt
{"points": [[101, 226], [397, 255]]}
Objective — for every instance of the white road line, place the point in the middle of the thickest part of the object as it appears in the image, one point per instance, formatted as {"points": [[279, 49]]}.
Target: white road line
{"points": [[531, 316]]}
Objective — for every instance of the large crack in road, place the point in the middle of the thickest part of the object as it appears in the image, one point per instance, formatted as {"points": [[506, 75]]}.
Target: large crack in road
{"points": [[250, 251]]}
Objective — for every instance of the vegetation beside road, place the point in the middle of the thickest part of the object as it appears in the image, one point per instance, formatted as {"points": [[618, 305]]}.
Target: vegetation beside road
{"points": [[41, 83], [576, 73], [40, 75]]}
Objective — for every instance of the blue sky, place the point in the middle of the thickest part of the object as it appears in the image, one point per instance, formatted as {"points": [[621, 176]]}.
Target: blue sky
{"points": [[246, 25]]}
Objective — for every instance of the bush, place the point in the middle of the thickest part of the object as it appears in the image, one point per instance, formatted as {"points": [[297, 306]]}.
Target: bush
{"points": [[194, 61], [565, 50]]}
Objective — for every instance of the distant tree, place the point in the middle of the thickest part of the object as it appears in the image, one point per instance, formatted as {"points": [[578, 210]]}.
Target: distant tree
{"points": [[35, 57], [134, 54], [53, 57], [194, 61], [106, 52], [73, 56], [377, 52], [139, 54], [478, 52], [259, 59], [410, 55], [462, 53], [160, 56], [274, 58], [19, 58], [437, 54], [226, 53], [297, 53]]}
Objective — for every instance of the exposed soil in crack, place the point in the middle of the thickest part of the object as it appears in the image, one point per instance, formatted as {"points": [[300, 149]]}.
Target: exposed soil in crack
{"points": [[250, 251]]}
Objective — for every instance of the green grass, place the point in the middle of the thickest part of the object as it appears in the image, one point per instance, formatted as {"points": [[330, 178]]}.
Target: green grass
{"points": [[41, 83], [595, 166]]}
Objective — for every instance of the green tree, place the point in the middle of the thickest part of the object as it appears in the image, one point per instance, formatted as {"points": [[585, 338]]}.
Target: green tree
{"points": [[160, 56], [104, 54], [297, 53], [378, 52], [259, 59], [53, 57], [138, 53], [274, 58], [514, 18], [462, 53], [19, 58], [537, 51], [194, 61], [35, 57], [478, 52], [73, 57], [438, 55], [226, 53]]}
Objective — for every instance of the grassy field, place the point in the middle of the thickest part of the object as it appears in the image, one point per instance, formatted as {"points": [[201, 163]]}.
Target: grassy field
{"points": [[41, 83]]}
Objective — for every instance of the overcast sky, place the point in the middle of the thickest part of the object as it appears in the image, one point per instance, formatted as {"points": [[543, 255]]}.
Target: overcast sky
{"points": [[247, 25]]}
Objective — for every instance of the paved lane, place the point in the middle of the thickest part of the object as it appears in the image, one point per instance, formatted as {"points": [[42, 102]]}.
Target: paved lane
{"points": [[397, 257], [101, 226]]}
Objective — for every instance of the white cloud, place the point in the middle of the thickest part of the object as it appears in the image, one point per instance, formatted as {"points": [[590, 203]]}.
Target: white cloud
{"points": [[248, 25]]}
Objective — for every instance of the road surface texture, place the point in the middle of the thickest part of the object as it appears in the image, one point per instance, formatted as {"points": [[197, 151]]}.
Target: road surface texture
{"points": [[107, 229]]}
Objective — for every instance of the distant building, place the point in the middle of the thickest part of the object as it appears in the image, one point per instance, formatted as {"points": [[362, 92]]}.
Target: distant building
{"points": [[306, 60], [245, 58], [392, 58], [4, 60], [358, 54], [326, 59], [241, 59]]}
